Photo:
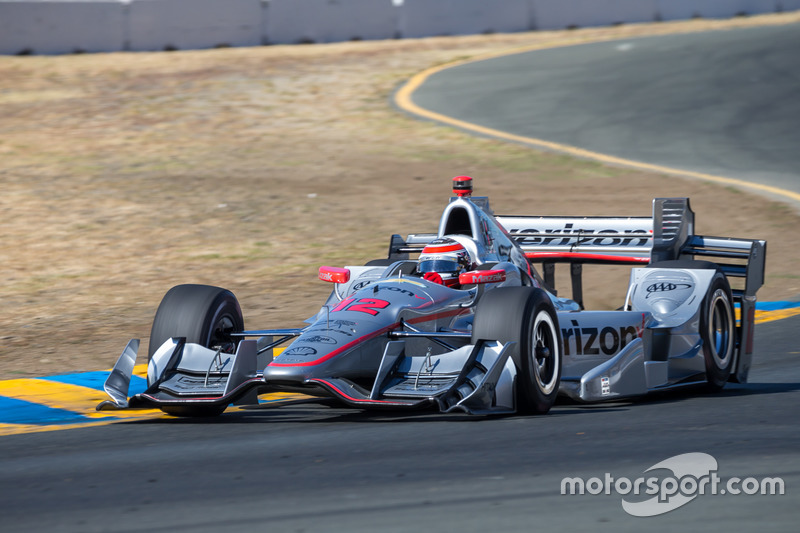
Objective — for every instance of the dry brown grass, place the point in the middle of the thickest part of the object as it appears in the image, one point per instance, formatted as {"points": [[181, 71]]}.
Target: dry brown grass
{"points": [[124, 174]]}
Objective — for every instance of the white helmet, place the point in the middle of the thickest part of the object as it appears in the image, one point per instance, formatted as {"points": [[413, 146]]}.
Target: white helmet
{"points": [[445, 256]]}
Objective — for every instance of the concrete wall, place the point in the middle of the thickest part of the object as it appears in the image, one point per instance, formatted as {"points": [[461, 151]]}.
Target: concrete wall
{"points": [[186, 24], [559, 14], [57, 27], [320, 21], [423, 18], [788, 5], [686, 9], [66, 26]]}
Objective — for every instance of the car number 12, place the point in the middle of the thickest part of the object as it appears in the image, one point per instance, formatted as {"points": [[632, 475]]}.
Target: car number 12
{"points": [[371, 306]]}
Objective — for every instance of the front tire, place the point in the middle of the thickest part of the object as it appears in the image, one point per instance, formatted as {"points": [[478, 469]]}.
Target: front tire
{"points": [[203, 314], [525, 316]]}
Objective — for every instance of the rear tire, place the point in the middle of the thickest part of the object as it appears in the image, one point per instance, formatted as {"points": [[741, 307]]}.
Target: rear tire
{"points": [[525, 316], [203, 314], [717, 322], [718, 331]]}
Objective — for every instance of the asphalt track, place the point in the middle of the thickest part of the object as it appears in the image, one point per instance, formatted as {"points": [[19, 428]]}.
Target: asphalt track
{"points": [[311, 467], [307, 467], [721, 104]]}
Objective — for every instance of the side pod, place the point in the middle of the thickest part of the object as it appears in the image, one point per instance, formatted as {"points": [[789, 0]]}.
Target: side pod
{"points": [[622, 376]]}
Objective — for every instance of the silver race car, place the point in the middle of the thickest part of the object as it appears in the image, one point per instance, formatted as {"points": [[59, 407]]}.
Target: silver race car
{"points": [[459, 320]]}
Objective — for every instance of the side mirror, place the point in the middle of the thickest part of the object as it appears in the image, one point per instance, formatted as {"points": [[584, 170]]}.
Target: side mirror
{"points": [[334, 274], [478, 277]]}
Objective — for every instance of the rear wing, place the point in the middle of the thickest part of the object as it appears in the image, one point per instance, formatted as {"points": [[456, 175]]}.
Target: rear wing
{"points": [[667, 235], [596, 240]]}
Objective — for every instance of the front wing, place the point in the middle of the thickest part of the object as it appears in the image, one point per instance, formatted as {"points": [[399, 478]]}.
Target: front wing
{"points": [[476, 379]]}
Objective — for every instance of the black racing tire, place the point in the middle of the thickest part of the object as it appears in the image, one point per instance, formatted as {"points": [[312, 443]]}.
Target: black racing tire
{"points": [[525, 316], [203, 314], [717, 322], [718, 331]]}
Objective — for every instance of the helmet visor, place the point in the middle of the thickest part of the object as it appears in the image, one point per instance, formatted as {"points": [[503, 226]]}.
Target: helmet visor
{"points": [[438, 265]]}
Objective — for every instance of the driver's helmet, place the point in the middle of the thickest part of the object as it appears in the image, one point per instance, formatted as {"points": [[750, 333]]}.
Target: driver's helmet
{"points": [[446, 257]]}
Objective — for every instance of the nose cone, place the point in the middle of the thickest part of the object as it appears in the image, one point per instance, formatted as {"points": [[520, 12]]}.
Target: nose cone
{"points": [[287, 374], [326, 347], [349, 339]]}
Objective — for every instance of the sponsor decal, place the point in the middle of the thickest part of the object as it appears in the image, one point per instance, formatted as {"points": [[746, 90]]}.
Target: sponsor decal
{"points": [[588, 237], [336, 326], [361, 284], [334, 274], [605, 386], [287, 360], [486, 276], [666, 287], [671, 484], [609, 340], [188, 383], [342, 323], [332, 330], [320, 339], [299, 350], [397, 290]]}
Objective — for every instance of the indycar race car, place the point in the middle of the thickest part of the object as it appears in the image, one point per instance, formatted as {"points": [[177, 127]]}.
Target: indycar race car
{"points": [[460, 320]]}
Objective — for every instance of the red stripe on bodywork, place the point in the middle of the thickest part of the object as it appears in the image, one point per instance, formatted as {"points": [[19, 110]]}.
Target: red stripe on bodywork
{"points": [[358, 400], [437, 316], [368, 336], [583, 255], [337, 351]]}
